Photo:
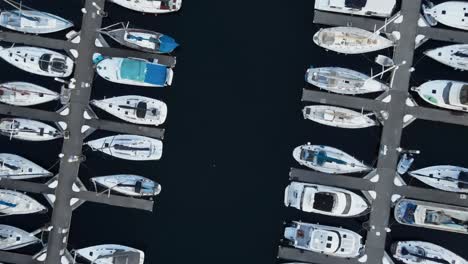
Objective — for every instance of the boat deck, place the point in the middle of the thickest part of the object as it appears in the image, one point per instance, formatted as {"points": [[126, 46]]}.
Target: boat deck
{"points": [[397, 108]]}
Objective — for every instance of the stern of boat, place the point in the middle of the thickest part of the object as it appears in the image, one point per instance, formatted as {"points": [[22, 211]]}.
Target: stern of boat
{"points": [[170, 76]]}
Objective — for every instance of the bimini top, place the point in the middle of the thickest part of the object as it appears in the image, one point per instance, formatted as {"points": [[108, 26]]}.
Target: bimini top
{"points": [[141, 71]]}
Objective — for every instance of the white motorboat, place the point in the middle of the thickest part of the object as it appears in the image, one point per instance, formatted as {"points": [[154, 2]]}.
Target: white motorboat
{"points": [[29, 130], [134, 72], [337, 117], [14, 238], [324, 200], [350, 40], [34, 22], [151, 6], [343, 81], [141, 39], [109, 254], [18, 168], [328, 240], [134, 109], [328, 159], [455, 56], [16, 203], [419, 252], [376, 8], [444, 177], [132, 185], [129, 147], [451, 95], [432, 215], [450, 13], [38, 61], [25, 94]]}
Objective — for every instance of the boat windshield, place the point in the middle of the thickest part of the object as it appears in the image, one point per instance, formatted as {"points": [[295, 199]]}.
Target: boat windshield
{"points": [[324, 201], [418, 253], [463, 180], [440, 218], [355, 4], [59, 65], [141, 110], [464, 94], [9, 166], [327, 38], [44, 61], [446, 92]]}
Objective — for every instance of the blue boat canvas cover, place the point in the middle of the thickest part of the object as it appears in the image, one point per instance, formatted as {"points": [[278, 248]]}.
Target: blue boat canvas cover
{"points": [[167, 44], [142, 71]]}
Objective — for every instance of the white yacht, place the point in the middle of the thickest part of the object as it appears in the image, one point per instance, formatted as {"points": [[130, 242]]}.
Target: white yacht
{"points": [[328, 240], [34, 22], [376, 8], [29, 130], [25, 94], [432, 215], [134, 109], [419, 252], [132, 185], [16, 203], [343, 81], [38, 61], [337, 117], [108, 254], [324, 200], [134, 72], [455, 56], [327, 159], [18, 168], [151, 6], [444, 177], [14, 238], [450, 13], [350, 40], [451, 95], [129, 147]]}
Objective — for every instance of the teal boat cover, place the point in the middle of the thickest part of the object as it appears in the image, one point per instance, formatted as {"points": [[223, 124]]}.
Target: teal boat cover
{"points": [[145, 72], [167, 44]]}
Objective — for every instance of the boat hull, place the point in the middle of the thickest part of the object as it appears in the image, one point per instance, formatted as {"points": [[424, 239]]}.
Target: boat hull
{"points": [[337, 117], [375, 8], [127, 184], [25, 94], [28, 130], [129, 147], [146, 6], [455, 56], [16, 203], [93, 253], [408, 252], [445, 94], [443, 177], [122, 36], [15, 238], [451, 13], [18, 168], [45, 22]]}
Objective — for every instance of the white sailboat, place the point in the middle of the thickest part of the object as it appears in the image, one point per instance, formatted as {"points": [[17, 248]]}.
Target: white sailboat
{"points": [[18, 168], [38, 61], [129, 147], [327, 159], [326, 200], [16, 203], [32, 21], [29, 130], [350, 40], [132, 185], [134, 72], [376, 8], [419, 252], [451, 95], [328, 240], [343, 81], [450, 13], [337, 117], [134, 109], [444, 177], [109, 254], [14, 238], [25, 94], [151, 6], [455, 56]]}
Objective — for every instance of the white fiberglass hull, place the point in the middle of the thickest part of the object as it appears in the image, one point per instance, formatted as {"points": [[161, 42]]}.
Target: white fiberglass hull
{"points": [[19, 168], [376, 8], [445, 94], [128, 184], [343, 81], [25, 94], [15, 238], [34, 22], [444, 177], [95, 254], [419, 252], [337, 117], [149, 6], [350, 40], [328, 159], [38, 61], [129, 147], [455, 56], [451, 13], [16, 203], [135, 109], [28, 130]]}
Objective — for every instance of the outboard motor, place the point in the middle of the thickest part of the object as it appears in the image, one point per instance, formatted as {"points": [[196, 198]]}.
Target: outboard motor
{"points": [[426, 8]]}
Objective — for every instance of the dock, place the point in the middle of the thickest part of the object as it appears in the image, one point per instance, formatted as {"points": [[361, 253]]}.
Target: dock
{"points": [[75, 119], [383, 187]]}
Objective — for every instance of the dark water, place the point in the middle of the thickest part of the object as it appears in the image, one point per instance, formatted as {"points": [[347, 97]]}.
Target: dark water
{"points": [[234, 118]]}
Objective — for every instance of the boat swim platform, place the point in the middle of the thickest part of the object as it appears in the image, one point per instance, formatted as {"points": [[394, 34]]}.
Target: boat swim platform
{"points": [[398, 106], [73, 114]]}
